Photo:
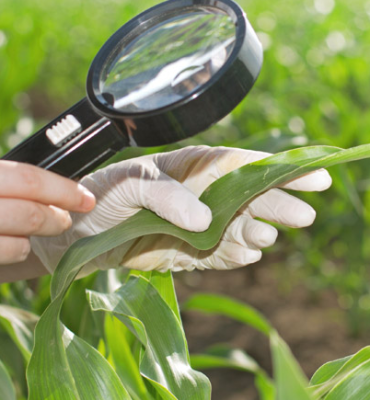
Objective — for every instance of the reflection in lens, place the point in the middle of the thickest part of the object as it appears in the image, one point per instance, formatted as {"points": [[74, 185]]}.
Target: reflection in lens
{"points": [[169, 60]]}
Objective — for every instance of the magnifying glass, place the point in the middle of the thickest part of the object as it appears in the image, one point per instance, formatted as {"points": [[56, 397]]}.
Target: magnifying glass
{"points": [[167, 74]]}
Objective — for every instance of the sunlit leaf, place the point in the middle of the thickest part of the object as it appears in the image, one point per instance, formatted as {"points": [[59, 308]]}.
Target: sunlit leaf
{"points": [[94, 377], [224, 357], [165, 360]]}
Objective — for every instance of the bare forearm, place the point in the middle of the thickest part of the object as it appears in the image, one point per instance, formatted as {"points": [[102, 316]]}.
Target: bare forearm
{"points": [[28, 269]]}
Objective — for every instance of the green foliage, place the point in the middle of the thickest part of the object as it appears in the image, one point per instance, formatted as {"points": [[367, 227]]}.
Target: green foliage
{"points": [[290, 381], [334, 378], [165, 359], [146, 305], [312, 90], [119, 340], [6, 384], [19, 325], [215, 304], [222, 356]]}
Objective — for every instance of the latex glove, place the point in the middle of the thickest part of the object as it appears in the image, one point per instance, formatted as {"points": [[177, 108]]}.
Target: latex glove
{"points": [[169, 184]]}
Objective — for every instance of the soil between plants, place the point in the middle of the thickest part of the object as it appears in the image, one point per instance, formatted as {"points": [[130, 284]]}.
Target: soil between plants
{"points": [[314, 326]]}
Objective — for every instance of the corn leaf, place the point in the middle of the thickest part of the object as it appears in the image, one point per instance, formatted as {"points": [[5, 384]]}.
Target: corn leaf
{"points": [[225, 357], [19, 324], [14, 361], [124, 361], [165, 360], [222, 305], [222, 356], [355, 386], [7, 390], [224, 197], [327, 371], [333, 373], [164, 284], [165, 287], [56, 369], [94, 377], [290, 382], [266, 388]]}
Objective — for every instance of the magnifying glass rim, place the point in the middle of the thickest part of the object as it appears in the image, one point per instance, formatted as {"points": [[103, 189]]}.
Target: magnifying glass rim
{"points": [[106, 52]]}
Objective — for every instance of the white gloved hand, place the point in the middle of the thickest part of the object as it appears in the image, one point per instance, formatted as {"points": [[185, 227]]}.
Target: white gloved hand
{"points": [[169, 184]]}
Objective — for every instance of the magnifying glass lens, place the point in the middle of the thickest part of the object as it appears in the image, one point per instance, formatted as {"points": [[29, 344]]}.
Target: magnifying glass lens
{"points": [[163, 61]]}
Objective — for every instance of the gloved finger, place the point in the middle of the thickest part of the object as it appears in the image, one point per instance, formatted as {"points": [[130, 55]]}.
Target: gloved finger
{"points": [[123, 191], [24, 218], [172, 201], [278, 206], [13, 249], [315, 181], [227, 256], [163, 253], [244, 230], [224, 256]]}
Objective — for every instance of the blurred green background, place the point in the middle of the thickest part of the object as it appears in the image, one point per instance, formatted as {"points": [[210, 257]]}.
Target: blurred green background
{"points": [[313, 89]]}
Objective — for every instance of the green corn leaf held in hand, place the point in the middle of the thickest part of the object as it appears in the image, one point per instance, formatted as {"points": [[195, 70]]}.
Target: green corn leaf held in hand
{"points": [[54, 372]]}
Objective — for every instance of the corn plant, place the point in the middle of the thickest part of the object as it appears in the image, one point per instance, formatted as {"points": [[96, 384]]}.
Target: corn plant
{"points": [[140, 349]]}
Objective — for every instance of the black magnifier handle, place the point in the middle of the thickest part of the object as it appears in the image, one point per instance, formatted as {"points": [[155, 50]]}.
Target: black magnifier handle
{"points": [[73, 144]]}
